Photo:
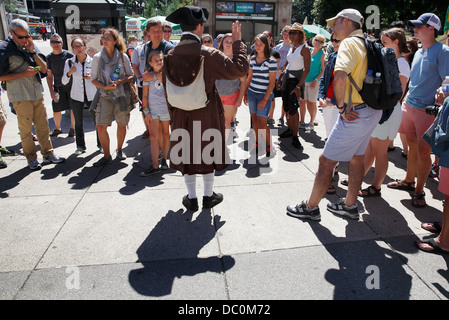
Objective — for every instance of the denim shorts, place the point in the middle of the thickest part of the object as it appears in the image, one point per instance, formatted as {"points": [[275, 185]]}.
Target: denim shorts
{"points": [[253, 101], [161, 116]]}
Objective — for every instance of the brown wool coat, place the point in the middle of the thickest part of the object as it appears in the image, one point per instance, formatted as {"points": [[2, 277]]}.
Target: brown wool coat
{"points": [[179, 65]]}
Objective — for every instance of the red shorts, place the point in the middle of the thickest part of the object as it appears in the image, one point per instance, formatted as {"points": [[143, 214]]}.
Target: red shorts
{"points": [[443, 185], [415, 121], [230, 100]]}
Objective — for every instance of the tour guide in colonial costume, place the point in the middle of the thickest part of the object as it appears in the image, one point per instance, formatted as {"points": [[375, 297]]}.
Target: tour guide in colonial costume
{"points": [[196, 111]]}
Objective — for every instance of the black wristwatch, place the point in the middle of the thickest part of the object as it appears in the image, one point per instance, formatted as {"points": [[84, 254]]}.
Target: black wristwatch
{"points": [[33, 53], [342, 107]]}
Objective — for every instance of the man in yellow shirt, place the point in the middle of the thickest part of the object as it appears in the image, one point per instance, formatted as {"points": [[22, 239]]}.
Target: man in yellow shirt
{"points": [[351, 134]]}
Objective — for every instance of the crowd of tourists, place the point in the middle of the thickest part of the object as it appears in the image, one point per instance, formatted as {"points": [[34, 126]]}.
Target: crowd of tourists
{"points": [[160, 78]]}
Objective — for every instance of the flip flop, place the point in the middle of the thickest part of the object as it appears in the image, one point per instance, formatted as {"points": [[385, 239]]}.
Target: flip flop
{"points": [[371, 191], [434, 227], [434, 247], [401, 185]]}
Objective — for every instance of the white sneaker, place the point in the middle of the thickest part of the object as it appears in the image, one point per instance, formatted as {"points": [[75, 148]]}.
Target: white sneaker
{"points": [[53, 159]]}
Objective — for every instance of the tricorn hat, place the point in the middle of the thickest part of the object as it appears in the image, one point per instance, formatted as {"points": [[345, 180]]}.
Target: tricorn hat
{"points": [[189, 15]]}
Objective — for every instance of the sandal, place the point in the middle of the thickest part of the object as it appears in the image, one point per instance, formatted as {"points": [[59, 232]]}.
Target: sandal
{"points": [[418, 200], [401, 185], [345, 182], [371, 191], [434, 227], [434, 247], [331, 189]]}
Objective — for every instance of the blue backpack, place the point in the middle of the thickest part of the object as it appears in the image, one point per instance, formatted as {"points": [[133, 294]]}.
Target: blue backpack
{"points": [[384, 95]]}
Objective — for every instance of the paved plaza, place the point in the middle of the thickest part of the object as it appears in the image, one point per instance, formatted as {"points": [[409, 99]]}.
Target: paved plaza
{"points": [[74, 231]]}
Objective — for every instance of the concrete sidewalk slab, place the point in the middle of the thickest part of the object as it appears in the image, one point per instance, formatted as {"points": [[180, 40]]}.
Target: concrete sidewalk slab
{"points": [[74, 231]]}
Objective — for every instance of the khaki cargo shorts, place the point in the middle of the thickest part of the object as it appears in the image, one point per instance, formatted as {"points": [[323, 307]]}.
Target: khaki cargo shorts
{"points": [[106, 111]]}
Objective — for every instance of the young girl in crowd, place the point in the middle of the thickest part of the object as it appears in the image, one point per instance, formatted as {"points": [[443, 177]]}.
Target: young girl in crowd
{"points": [[156, 113], [231, 91], [387, 131], [259, 90], [82, 92]]}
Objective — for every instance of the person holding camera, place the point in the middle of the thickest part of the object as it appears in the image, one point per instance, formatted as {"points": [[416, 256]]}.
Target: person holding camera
{"points": [[429, 68], [440, 147], [22, 67]]}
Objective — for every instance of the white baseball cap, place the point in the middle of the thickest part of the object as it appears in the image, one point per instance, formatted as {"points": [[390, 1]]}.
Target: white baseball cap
{"points": [[351, 14]]}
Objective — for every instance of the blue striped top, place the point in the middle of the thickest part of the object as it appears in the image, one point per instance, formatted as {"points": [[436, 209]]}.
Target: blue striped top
{"points": [[261, 74]]}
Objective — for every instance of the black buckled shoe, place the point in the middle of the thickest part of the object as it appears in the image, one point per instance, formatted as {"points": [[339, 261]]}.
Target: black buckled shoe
{"points": [[191, 204], [212, 201]]}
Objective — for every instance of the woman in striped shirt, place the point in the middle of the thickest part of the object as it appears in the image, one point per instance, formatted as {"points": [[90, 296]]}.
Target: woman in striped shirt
{"points": [[259, 90]]}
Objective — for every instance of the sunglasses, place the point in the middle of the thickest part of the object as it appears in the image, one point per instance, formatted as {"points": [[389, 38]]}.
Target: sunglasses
{"points": [[106, 38], [335, 40], [22, 37], [319, 41], [167, 31], [293, 32], [207, 41], [55, 41]]}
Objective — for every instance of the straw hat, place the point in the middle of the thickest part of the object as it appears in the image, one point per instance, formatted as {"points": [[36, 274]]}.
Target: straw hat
{"points": [[298, 27]]}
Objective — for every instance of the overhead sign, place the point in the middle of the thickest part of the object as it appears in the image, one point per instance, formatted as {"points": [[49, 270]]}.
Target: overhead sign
{"points": [[244, 10], [133, 25]]}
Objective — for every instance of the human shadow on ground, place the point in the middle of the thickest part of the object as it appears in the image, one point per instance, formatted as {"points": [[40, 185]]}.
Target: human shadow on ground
{"points": [[171, 251], [367, 270]]}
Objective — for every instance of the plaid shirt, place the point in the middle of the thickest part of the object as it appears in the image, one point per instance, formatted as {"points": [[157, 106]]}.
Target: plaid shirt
{"points": [[22, 89]]}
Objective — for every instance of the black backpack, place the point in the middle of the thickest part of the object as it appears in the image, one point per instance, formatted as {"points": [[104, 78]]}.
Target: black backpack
{"points": [[380, 59]]}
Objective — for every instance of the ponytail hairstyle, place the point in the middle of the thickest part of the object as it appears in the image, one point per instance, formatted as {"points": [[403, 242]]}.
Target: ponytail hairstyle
{"points": [[398, 34]]}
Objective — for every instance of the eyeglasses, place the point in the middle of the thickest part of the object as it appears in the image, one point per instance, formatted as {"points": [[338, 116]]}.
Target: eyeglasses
{"points": [[21, 37], [55, 41], [167, 31], [207, 41], [335, 40]]}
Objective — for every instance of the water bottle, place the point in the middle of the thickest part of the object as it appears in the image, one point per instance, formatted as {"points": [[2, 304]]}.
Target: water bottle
{"points": [[378, 79], [116, 74], [57, 97], [445, 86], [369, 77]]}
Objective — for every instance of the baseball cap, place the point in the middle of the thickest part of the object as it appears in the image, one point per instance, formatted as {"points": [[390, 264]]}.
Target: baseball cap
{"points": [[351, 14], [427, 18]]}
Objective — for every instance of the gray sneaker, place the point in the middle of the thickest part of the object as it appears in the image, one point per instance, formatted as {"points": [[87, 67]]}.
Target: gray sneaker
{"points": [[34, 165], [340, 208], [53, 159], [301, 211]]}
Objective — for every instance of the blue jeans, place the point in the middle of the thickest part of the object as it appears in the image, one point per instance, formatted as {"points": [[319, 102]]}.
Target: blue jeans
{"points": [[253, 101]]}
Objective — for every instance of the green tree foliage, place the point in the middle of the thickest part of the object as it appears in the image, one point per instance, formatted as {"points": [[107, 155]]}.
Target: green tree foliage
{"points": [[12, 5], [397, 10], [302, 9]]}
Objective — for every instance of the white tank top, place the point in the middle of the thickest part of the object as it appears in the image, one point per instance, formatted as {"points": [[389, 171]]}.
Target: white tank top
{"points": [[295, 59]]}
